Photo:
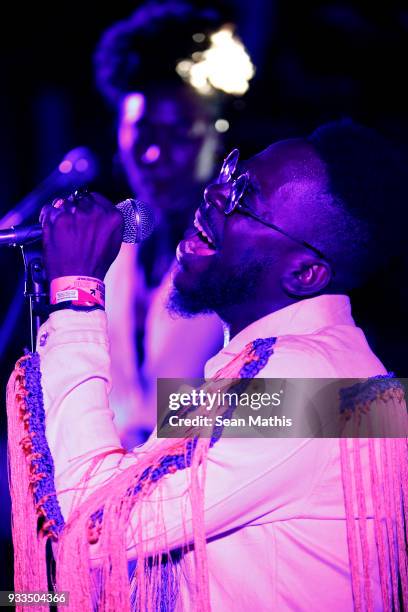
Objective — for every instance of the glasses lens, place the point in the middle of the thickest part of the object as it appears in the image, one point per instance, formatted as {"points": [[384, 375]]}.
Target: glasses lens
{"points": [[237, 191], [228, 167]]}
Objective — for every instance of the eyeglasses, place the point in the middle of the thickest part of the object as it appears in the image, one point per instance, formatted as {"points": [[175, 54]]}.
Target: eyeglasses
{"points": [[239, 186]]}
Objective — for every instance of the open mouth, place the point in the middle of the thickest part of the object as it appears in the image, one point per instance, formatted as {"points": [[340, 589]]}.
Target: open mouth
{"points": [[205, 236], [197, 242]]}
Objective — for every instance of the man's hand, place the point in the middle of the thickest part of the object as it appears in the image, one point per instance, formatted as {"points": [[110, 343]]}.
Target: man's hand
{"points": [[80, 237]]}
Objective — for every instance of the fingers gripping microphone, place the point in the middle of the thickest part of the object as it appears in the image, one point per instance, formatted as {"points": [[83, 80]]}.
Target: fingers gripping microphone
{"points": [[139, 222]]}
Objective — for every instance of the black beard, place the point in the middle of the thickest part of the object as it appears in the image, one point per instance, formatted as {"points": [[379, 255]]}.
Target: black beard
{"points": [[215, 293]]}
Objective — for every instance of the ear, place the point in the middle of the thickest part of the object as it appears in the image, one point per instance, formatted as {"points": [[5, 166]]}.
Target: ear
{"points": [[308, 276]]}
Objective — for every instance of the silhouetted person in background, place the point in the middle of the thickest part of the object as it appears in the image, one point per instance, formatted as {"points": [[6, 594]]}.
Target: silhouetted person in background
{"points": [[167, 144]]}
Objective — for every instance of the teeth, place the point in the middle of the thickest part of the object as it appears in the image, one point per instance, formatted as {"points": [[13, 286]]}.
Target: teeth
{"points": [[197, 224]]}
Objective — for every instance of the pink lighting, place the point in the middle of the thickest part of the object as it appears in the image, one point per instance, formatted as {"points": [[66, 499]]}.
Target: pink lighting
{"points": [[65, 166], [133, 107], [151, 154], [82, 165]]}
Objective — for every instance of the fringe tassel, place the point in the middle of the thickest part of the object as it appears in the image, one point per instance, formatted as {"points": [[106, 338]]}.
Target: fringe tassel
{"points": [[129, 493], [196, 490], [389, 489], [362, 523], [378, 508], [389, 514], [398, 460], [118, 502], [30, 571], [346, 474], [91, 556]]}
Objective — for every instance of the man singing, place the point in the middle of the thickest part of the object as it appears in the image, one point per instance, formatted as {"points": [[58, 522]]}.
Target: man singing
{"points": [[235, 524]]}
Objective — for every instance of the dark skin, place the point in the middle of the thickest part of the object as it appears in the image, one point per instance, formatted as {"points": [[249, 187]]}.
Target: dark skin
{"points": [[177, 124], [285, 176], [286, 179], [81, 239], [166, 142]]}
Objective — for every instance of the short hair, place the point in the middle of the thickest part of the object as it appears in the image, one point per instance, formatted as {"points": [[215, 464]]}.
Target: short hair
{"points": [[368, 182], [144, 49]]}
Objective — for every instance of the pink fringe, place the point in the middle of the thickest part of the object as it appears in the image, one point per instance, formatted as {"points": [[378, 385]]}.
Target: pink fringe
{"points": [[397, 458], [196, 490], [377, 496], [389, 493], [389, 513], [118, 506], [362, 523], [30, 571], [351, 528], [106, 584]]}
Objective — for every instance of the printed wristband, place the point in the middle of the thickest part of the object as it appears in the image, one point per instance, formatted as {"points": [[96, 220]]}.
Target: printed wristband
{"points": [[84, 291]]}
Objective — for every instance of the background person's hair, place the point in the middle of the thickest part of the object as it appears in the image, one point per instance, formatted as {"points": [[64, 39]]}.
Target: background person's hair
{"points": [[144, 49]]}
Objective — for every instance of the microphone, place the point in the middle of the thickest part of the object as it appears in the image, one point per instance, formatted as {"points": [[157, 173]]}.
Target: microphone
{"points": [[139, 222]]}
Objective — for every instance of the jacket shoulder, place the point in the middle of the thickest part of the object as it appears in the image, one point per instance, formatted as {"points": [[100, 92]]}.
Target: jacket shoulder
{"points": [[338, 351]]}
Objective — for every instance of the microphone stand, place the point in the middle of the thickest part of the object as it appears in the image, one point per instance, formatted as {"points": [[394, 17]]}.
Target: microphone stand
{"points": [[35, 288]]}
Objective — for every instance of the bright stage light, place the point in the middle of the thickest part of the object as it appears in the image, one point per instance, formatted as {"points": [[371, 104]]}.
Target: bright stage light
{"points": [[133, 107], [225, 65], [221, 125]]}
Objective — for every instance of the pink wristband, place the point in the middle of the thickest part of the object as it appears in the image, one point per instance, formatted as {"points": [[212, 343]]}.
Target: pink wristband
{"points": [[79, 290]]}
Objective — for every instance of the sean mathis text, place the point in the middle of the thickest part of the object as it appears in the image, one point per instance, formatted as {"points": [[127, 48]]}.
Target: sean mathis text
{"points": [[249, 421]]}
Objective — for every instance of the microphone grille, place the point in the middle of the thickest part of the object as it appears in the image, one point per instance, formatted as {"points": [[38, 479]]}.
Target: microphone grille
{"points": [[139, 220]]}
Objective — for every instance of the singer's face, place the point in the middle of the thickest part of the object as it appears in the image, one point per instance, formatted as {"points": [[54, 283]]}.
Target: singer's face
{"points": [[165, 138], [243, 260]]}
